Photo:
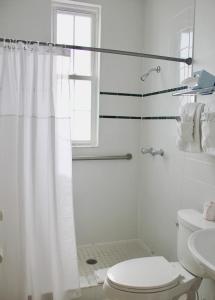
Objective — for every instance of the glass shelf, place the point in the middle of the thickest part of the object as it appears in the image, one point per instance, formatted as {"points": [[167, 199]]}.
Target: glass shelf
{"points": [[191, 92]]}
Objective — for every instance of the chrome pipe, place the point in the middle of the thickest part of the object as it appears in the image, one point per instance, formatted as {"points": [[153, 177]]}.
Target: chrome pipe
{"points": [[103, 157], [188, 60], [147, 150], [155, 69], [158, 152], [152, 151]]}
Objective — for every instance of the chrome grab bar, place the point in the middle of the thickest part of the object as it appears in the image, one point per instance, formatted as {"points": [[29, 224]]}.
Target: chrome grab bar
{"points": [[103, 157]]}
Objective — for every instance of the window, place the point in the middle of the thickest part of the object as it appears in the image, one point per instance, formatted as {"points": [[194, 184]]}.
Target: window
{"points": [[79, 24], [186, 49]]}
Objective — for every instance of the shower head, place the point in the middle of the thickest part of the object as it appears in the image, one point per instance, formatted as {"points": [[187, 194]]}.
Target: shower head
{"points": [[156, 69]]}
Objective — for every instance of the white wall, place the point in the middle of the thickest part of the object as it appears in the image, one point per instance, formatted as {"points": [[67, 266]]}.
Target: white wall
{"points": [[25, 19], [105, 192], [178, 180]]}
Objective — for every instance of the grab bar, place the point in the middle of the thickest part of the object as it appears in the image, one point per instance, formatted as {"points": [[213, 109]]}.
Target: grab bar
{"points": [[105, 157]]}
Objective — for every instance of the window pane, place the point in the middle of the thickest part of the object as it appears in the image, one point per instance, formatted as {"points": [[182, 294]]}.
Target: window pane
{"points": [[82, 99], [182, 74], [184, 53], [65, 28], [189, 71], [82, 63], [190, 52], [81, 126], [81, 105], [191, 39], [83, 38], [185, 39], [83, 31]]}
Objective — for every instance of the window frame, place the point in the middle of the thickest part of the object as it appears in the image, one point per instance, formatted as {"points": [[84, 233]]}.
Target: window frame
{"points": [[189, 49], [94, 11]]}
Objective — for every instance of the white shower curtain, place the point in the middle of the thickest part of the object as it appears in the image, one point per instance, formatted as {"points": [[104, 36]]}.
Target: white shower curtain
{"points": [[37, 236]]}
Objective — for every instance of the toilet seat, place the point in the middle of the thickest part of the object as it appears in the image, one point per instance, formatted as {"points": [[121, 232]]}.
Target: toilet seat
{"points": [[144, 275]]}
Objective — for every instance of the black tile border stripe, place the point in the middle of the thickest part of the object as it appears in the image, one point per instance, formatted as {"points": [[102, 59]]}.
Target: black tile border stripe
{"points": [[140, 118], [144, 95], [162, 118], [165, 91], [119, 117], [120, 94]]}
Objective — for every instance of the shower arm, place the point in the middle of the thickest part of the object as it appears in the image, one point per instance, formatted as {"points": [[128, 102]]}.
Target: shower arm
{"points": [[156, 69]]}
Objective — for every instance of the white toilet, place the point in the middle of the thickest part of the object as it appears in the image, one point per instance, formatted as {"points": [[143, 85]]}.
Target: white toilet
{"points": [[154, 278]]}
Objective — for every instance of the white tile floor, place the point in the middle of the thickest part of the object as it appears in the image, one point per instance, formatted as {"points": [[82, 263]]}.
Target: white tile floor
{"points": [[106, 255]]}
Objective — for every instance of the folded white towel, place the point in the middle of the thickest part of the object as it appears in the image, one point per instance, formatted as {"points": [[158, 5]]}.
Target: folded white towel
{"points": [[189, 137], [186, 125], [208, 131], [185, 132], [187, 111]]}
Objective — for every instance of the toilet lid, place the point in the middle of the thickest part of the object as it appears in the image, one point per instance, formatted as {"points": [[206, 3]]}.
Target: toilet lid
{"points": [[147, 273]]}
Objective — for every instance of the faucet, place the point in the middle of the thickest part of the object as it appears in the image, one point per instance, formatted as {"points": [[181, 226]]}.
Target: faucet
{"points": [[158, 152], [152, 151], [147, 150]]}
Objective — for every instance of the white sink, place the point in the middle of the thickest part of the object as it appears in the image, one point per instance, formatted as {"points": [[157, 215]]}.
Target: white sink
{"points": [[202, 246]]}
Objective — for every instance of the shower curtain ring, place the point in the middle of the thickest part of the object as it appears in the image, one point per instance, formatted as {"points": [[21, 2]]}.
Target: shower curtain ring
{"points": [[31, 45], [35, 46], [4, 43], [10, 44], [14, 44], [50, 46]]}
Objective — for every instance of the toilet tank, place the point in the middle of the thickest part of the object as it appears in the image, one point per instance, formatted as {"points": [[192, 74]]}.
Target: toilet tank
{"points": [[190, 220]]}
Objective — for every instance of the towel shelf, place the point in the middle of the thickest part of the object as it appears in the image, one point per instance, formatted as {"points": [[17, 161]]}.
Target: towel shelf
{"points": [[128, 156], [191, 92]]}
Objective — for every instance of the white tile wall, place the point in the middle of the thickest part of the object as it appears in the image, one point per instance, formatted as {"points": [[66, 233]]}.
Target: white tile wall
{"points": [[179, 180], [105, 192], [25, 19]]}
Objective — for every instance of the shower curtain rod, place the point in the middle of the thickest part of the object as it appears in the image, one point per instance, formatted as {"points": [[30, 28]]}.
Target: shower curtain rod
{"points": [[188, 60]]}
